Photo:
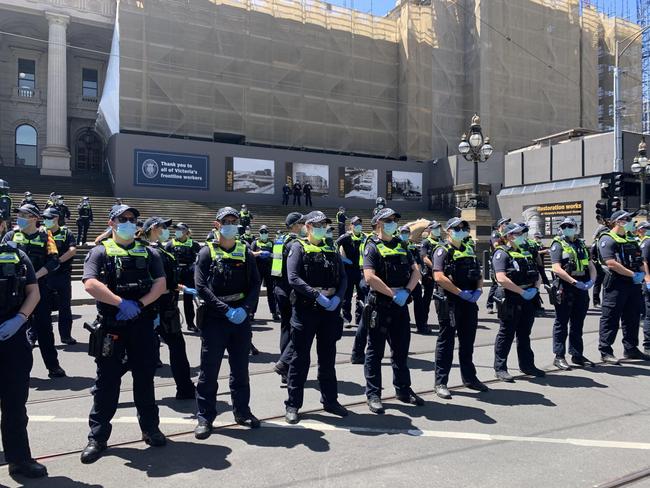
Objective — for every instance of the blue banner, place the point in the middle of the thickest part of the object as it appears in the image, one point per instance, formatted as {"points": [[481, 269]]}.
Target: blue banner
{"points": [[171, 170]]}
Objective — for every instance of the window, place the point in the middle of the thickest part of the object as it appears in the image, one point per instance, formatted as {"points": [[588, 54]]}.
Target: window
{"points": [[26, 77], [89, 84], [26, 154]]}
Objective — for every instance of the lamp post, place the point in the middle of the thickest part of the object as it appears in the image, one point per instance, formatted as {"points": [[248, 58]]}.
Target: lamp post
{"points": [[618, 130], [474, 148], [641, 169]]}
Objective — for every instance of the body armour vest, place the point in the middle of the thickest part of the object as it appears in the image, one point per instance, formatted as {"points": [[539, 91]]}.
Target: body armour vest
{"points": [[320, 265]]}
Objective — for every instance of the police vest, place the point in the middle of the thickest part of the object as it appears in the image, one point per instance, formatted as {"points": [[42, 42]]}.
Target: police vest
{"points": [[84, 211], [228, 272], [12, 282], [264, 245], [172, 272], [462, 266], [279, 265], [244, 217], [35, 248], [320, 265], [627, 251], [521, 269], [183, 251], [126, 271], [60, 240], [339, 214], [574, 261], [395, 269]]}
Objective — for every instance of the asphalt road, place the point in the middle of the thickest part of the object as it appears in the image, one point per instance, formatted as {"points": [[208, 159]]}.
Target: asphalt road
{"points": [[571, 429]]}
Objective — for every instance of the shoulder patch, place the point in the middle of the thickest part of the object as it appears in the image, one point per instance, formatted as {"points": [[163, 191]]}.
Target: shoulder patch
{"points": [[440, 251], [603, 244], [497, 255], [290, 252]]}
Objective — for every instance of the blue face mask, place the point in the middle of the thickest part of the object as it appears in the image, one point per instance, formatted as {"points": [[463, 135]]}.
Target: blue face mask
{"points": [[48, 223], [22, 222], [569, 232], [459, 235], [303, 232], [264, 237], [164, 235], [629, 226], [390, 228], [319, 233], [178, 234], [520, 240], [329, 235], [126, 231], [228, 231], [357, 229], [404, 237], [436, 232]]}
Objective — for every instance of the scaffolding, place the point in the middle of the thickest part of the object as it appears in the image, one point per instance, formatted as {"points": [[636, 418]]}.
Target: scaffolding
{"points": [[643, 18]]}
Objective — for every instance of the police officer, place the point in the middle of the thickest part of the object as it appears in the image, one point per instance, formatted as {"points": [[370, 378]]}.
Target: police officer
{"points": [[5, 200], [341, 218], [516, 272], [281, 288], [297, 192], [18, 298], [418, 307], [391, 274], [51, 200], [168, 324], [306, 190], [126, 278], [185, 250], [29, 198], [262, 249], [59, 281], [427, 246], [534, 248], [496, 241], [228, 282], [286, 191], [620, 255], [245, 218], [41, 250], [62, 208], [574, 276], [643, 233], [84, 219], [318, 282], [247, 236], [348, 246], [458, 272], [595, 259], [380, 203]]}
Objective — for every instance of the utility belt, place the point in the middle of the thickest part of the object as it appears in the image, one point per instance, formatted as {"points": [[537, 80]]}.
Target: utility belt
{"points": [[441, 302], [297, 299], [141, 286], [104, 333], [509, 304], [235, 297]]}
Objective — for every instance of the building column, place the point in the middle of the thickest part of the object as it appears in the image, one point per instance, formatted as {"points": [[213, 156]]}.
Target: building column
{"points": [[55, 155]]}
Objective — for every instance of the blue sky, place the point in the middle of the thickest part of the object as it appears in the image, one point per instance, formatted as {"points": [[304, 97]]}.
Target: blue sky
{"points": [[381, 7]]}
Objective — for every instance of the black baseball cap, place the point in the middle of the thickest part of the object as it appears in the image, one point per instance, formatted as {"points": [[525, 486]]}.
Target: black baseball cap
{"points": [[154, 221], [293, 218]]}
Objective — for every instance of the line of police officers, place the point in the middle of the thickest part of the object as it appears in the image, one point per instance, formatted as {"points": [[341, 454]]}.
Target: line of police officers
{"points": [[137, 281]]}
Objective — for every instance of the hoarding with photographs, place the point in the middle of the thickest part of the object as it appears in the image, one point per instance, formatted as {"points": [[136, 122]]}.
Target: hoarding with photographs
{"points": [[358, 183], [317, 175], [403, 186], [546, 217], [247, 175]]}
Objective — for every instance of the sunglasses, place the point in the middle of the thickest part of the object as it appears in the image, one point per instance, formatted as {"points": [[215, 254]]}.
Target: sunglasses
{"points": [[318, 225], [123, 220], [389, 220], [458, 229], [568, 226]]}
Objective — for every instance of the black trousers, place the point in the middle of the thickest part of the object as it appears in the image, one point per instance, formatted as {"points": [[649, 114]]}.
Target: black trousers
{"points": [[41, 329], [646, 320], [354, 279], [61, 285], [285, 199], [392, 325], [219, 335], [267, 279], [422, 303], [82, 230], [308, 201], [296, 199], [569, 321], [462, 320], [341, 228], [621, 303], [173, 337], [493, 289], [284, 308], [15, 366], [136, 342], [309, 322], [519, 324], [598, 284], [187, 279]]}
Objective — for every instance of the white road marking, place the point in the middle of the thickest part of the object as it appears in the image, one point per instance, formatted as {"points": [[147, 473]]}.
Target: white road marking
{"points": [[440, 434]]}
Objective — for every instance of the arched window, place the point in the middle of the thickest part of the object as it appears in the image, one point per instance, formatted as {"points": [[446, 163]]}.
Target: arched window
{"points": [[90, 151], [26, 151]]}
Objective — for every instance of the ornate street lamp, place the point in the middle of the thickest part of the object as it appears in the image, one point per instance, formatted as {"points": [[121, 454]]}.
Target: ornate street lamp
{"points": [[641, 170], [476, 149]]}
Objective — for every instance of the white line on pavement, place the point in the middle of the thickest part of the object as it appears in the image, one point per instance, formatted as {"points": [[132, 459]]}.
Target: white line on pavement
{"points": [[374, 430]]}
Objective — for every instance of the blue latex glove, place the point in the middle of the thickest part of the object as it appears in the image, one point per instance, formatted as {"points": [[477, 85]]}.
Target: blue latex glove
{"points": [[638, 277], [236, 315], [264, 254], [647, 286], [9, 327], [529, 293], [129, 310], [346, 260], [334, 303], [190, 291], [323, 301], [581, 286], [476, 294], [156, 322], [589, 284], [401, 296], [466, 295]]}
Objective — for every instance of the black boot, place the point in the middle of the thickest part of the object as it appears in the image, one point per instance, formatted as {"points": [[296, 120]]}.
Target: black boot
{"points": [[28, 469]]}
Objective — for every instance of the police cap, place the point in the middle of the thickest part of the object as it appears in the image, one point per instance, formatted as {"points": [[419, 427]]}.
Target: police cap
{"points": [[384, 213]]}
